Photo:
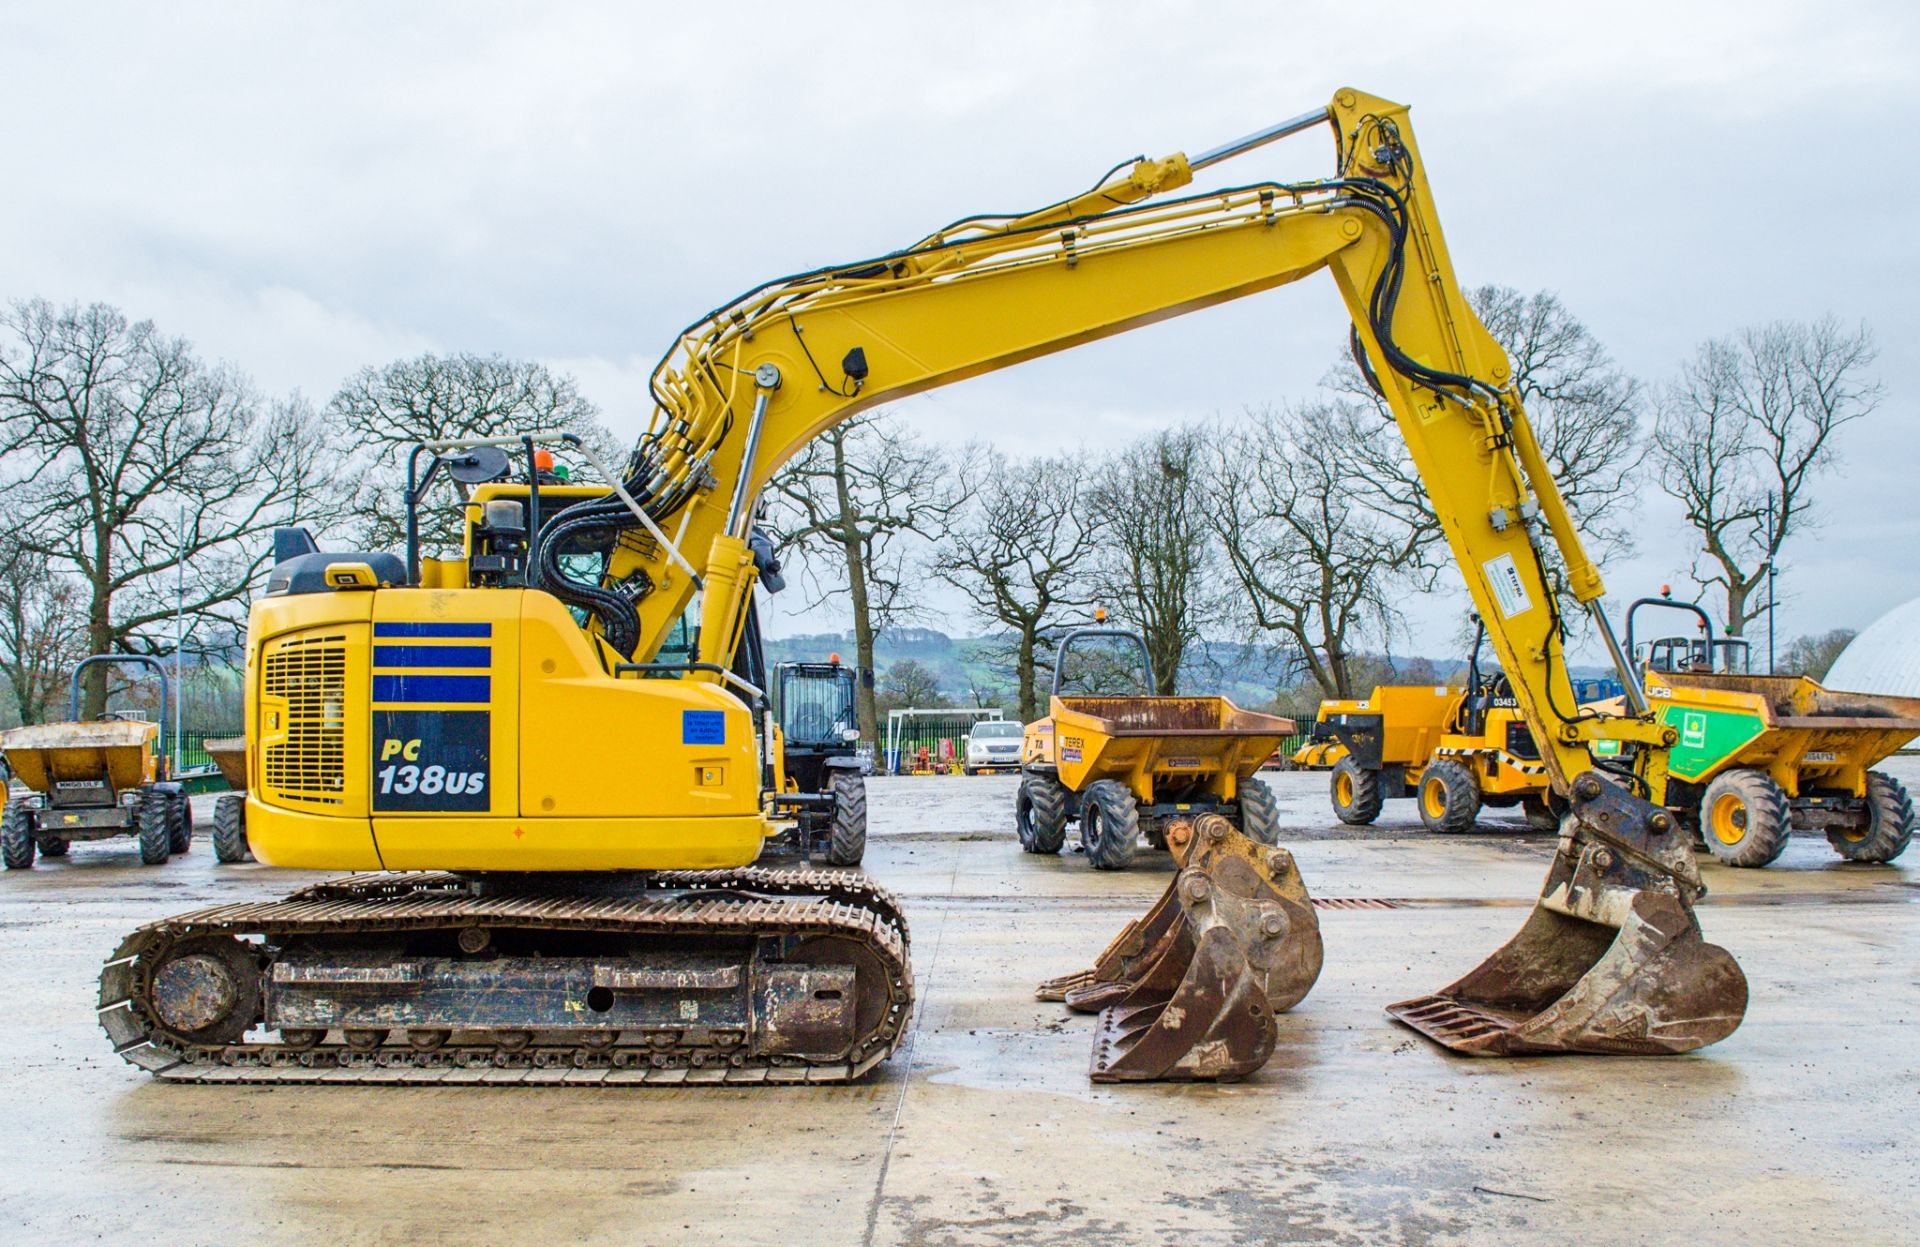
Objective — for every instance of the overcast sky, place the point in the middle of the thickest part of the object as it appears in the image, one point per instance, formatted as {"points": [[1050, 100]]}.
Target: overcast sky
{"points": [[306, 189]]}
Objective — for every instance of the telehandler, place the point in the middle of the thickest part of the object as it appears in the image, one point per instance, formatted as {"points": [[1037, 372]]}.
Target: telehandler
{"points": [[818, 734], [560, 821]]}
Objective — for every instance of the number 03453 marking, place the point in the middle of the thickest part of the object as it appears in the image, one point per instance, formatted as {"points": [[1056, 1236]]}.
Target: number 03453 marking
{"points": [[429, 781]]}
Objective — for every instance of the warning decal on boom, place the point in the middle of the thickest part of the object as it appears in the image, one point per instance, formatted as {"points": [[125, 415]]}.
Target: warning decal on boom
{"points": [[1508, 589]]}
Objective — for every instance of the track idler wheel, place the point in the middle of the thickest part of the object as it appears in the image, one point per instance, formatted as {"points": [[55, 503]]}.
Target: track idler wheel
{"points": [[206, 989], [1610, 961], [1189, 991]]}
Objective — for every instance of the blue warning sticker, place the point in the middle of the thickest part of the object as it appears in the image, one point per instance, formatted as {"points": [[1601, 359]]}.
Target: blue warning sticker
{"points": [[703, 727]]}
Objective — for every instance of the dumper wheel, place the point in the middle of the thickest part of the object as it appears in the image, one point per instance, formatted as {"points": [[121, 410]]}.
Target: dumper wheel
{"points": [[230, 828], [1109, 824], [16, 836], [54, 846], [1889, 823], [1356, 793], [179, 823], [1259, 812], [1449, 798], [154, 825], [1040, 813], [847, 839], [1745, 819]]}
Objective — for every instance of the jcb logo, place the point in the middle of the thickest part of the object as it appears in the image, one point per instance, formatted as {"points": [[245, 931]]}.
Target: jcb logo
{"points": [[1693, 730], [408, 749]]}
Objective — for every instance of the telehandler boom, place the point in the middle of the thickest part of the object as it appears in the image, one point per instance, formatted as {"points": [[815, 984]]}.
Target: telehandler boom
{"points": [[596, 809]]}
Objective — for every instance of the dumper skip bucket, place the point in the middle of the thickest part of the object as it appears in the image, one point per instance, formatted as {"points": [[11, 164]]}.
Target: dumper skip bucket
{"points": [[1611, 960]]}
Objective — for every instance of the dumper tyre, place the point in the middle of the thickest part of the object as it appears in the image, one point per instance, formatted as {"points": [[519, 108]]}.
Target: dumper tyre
{"points": [[230, 829], [1355, 792], [1745, 819], [179, 822], [153, 827], [1449, 797], [1259, 812], [16, 836], [847, 837], [1040, 813], [1109, 824], [54, 846], [1889, 826]]}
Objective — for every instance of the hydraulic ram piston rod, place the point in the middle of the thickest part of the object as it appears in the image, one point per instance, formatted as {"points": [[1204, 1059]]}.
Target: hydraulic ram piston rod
{"points": [[1259, 138]]}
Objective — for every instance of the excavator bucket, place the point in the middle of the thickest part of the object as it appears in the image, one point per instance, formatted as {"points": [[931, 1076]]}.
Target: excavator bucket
{"points": [[1610, 961], [1188, 993]]}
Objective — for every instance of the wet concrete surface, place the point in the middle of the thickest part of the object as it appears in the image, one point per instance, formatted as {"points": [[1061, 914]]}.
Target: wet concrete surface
{"points": [[1804, 1126]]}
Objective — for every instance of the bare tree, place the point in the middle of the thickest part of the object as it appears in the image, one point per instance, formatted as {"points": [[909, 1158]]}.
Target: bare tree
{"points": [[1021, 553], [1584, 408], [911, 684], [382, 412], [1811, 655], [130, 456], [1744, 433], [852, 505], [42, 632], [1156, 562], [1288, 500]]}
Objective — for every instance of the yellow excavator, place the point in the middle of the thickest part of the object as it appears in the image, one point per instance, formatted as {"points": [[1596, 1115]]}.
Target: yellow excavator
{"points": [[556, 811]]}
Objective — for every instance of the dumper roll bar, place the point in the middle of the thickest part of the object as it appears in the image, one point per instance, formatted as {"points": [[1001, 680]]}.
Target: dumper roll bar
{"points": [[1706, 620], [137, 660], [1086, 634]]}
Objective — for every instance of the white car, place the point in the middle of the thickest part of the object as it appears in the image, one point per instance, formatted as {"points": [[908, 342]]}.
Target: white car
{"points": [[993, 745]]}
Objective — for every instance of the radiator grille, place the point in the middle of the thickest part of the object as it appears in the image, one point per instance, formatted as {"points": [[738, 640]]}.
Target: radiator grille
{"points": [[310, 675]]}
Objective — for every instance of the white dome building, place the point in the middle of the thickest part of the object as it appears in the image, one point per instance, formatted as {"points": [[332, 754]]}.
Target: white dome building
{"points": [[1883, 659]]}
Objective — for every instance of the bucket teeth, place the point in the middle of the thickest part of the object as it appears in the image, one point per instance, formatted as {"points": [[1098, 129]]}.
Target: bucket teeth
{"points": [[1611, 960], [1189, 991]]}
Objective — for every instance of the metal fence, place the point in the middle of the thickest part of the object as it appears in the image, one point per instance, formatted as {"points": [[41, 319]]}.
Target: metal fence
{"points": [[193, 746], [929, 741]]}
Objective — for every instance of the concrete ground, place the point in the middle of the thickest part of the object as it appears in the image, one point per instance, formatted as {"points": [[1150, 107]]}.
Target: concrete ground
{"points": [[1804, 1126]]}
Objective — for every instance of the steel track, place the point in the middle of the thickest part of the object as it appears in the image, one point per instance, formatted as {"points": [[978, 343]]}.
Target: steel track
{"points": [[753, 901]]}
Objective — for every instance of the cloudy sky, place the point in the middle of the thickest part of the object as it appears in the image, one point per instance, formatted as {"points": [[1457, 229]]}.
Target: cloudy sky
{"points": [[305, 189]]}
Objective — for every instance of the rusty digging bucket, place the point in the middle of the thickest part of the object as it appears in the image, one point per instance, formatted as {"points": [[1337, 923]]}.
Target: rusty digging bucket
{"points": [[1188, 993], [1610, 961]]}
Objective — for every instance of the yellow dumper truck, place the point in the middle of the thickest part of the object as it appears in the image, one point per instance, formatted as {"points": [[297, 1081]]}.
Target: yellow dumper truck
{"points": [[1757, 756], [93, 781], [1453, 748], [1127, 765], [1761, 755]]}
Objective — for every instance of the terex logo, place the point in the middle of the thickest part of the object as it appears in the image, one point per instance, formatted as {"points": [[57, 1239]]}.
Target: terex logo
{"points": [[1693, 730]]}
